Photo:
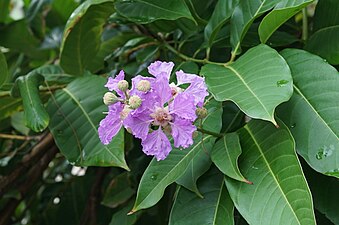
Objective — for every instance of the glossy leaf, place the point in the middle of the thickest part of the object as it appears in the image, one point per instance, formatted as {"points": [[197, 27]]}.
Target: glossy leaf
{"points": [[225, 154], [279, 194], [257, 82], [75, 115], [283, 11], [244, 15], [221, 14], [36, 116], [312, 112], [202, 161], [325, 44], [146, 11], [215, 208], [82, 36], [159, 175], [326, 14], [3, 69]]}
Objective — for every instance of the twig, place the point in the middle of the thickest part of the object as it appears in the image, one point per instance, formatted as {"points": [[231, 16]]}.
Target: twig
{"points": [[305, 25], [19, 137]]}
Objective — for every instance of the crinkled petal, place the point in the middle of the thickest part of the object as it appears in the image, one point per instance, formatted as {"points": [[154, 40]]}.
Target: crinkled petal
{"points": [[182, 132], [112, 83], [139, 124], [162, 90], [161, 69], [183, 106], [157, 144], [136, 80], [197, 87], [111, 124]]}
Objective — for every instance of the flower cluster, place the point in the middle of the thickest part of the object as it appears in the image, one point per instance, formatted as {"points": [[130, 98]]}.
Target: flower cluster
{"points": [[153, 109]]}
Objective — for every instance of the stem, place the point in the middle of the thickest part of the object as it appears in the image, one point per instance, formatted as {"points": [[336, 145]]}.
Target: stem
{"points": [[305, 25], [187, 58], [19, 137], [42, 89], [209, 132]]}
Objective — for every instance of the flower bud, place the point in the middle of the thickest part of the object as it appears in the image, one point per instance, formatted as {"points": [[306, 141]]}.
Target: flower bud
{"points": [[201, 113], [123, 85], [144, 85], [110, 98], [134, 102]]}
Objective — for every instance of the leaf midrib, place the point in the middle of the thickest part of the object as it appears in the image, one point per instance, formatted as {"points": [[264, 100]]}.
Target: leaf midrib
{"points": [[164, 178], [90, 121], [229, 158], [271, 171]]}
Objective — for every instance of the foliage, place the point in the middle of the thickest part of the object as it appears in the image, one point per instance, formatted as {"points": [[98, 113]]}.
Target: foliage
{"points": [[267, 152]]}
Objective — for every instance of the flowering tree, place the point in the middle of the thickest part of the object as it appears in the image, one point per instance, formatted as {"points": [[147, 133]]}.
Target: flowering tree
{"points": [[169, 112]]}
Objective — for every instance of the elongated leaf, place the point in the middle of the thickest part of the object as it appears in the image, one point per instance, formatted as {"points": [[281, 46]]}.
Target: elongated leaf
{"points": [[202, 162], [222, 12], [36, 116], [9, 105], [325, 44], [244, 15], [283, 11], [82, 36], [215, 208], [325, 193], [146, 11], [279, 194], [159, 175], [326, 14], [3, 69], [75, 114], [312, 112], [257, 82], [225, 156]]}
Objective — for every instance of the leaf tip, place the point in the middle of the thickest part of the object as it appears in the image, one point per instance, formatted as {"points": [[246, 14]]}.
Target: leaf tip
{"points": [[131, 212], [248, 182]]}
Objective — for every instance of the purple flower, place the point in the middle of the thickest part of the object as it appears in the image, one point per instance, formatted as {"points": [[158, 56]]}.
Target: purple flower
{"points": [[112, 84], [161, 69], [157, 144]]}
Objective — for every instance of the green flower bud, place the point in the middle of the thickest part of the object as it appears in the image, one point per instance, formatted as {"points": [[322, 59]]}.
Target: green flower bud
{"points": [[134, 102], [123, 85], [144, 85], [110, 98], [201, 113]]}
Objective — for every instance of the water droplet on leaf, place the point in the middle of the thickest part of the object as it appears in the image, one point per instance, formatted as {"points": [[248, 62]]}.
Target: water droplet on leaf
{"points": [[293, 125], [281, 83], [154, 176]]}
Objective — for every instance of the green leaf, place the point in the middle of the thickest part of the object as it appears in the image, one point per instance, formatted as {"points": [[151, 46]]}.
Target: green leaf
{"points": [[121, 218], [326, 14], [225, 154], [9, 105], [325, 43], [18, 121], [279, 194], [3, 69], [146, 11], [325, 193], [202, 162], [159, 175], [222, 12], [244, 15], [312, 112], [36, 116], [82, 36], [283, 11], [4, 6], [215, 208], [257, 82], [232, 117], [75, 114]]}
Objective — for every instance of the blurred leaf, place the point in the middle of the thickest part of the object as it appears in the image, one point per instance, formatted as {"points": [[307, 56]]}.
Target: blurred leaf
{"points": [[159, 175], [250, 81], [326, 14], [34, 8], [75, 115], [225, 154], [121, 217], [9, 105], [18, 121], [118, 191], [279, 194], [202, 162], [64, 8], [215, 208], [53, 73], [82, 36], [4, 6], [53, 39], [222, 12], [3, 69], [146, 11], [325, 193], [283, 11], [36, 116], [312, 113]]}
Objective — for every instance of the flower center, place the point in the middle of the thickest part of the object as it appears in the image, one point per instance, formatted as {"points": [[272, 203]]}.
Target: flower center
{"points": [[161, 116]]}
